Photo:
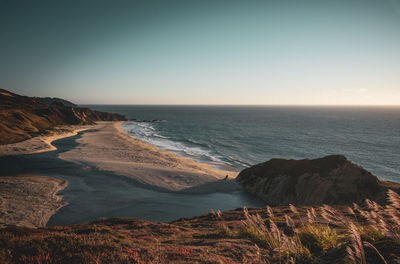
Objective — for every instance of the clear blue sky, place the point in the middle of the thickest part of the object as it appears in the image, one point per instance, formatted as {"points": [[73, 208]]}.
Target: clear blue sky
{"points": [[202, 52]]}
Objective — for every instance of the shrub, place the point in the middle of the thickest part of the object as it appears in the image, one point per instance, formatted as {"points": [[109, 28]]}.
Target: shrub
{"points": [[318, 237]]}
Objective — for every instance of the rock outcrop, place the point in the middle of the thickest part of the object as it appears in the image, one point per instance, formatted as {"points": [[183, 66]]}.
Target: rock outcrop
{"points": [[23, 117], [328, 180]]}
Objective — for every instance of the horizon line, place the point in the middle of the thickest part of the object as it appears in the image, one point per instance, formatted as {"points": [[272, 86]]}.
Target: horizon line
{"points": [[284, 105]]}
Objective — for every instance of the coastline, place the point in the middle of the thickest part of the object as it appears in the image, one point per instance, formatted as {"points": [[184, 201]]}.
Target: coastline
{"points": [[110, 148], [106, 150]]}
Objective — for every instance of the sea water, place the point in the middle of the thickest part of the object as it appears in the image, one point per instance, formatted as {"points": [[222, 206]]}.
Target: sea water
{"points": [[241, 136]]}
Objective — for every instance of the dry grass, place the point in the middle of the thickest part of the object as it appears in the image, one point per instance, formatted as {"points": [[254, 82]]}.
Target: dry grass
{"points": [[309, 235], [291, 234]]}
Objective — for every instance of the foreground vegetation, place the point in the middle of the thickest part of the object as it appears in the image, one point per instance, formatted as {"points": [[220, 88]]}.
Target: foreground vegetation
{"points": [[370, 234]]}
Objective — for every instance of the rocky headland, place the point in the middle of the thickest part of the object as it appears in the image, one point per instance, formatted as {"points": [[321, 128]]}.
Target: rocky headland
{"points": [[328, 180]]}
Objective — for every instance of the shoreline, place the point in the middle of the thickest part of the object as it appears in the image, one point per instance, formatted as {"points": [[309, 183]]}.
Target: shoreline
{"points": [[225, 167], [106, 150], [110, 148]]}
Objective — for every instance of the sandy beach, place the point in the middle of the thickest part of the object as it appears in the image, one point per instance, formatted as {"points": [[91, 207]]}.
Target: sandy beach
{"points": [[105, 149], [110, 148], [28, 200], [40, 143]]}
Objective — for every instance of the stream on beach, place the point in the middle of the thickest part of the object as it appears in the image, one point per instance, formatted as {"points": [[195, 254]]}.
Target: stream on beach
{"points": [[93, 194]]}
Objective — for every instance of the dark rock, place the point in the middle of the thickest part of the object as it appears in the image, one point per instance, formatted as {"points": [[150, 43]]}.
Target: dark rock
{"points": [[328, 180]]}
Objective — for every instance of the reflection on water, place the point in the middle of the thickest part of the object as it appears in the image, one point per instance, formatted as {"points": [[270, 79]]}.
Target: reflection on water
{"points": [[97, 196]]}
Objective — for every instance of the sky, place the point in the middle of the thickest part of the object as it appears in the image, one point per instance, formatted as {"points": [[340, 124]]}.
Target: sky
{"points": [[283, 52]]}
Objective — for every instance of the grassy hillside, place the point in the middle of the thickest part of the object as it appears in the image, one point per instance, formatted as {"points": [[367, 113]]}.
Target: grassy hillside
{"points": [[263, 235], [23, 117]]}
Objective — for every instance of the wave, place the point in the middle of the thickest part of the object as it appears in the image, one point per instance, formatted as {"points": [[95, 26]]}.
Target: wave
{"points": [[195, 142], [189, 147], [160, 136], [240, 162]]}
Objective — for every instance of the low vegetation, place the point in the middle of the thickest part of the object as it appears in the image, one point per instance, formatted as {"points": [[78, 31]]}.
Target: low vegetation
{"points": [[312, 235], [325, 234], [23, 117]]}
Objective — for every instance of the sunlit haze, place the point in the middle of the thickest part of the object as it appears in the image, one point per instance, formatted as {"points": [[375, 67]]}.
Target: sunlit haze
{"points": [[342, 52]]}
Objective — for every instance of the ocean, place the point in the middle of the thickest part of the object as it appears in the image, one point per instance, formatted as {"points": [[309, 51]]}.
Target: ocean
{"points": [[237, 137]]}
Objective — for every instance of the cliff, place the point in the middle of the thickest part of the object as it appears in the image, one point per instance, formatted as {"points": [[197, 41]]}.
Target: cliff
{"points": [[23, 117], [328, 180]]}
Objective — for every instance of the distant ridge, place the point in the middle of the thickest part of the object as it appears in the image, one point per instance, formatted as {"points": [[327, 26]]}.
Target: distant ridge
{"points": [[22, 117], [54, 100]]}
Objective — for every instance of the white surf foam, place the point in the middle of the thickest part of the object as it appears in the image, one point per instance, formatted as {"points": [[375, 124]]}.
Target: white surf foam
{"points": [[148, 133]]}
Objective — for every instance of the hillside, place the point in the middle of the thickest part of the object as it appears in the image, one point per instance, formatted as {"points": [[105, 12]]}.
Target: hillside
{"points": [[264, 235], [23, 117], [328, 180], [54, 100]]}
